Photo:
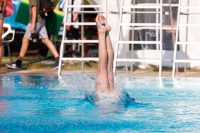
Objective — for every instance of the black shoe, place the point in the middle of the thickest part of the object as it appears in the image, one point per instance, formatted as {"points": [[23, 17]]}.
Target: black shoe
{"points": [[56, 64], [14, 65]]}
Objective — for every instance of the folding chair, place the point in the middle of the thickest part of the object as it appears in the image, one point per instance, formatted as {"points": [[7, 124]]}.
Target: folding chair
{"points": [[7, 31]]}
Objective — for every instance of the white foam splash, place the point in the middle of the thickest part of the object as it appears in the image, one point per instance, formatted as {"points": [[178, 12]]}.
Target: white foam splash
{"points": [[108, 102]]}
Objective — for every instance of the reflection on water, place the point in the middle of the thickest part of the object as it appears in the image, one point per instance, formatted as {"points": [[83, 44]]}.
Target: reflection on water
{"points": [[46, 103]]}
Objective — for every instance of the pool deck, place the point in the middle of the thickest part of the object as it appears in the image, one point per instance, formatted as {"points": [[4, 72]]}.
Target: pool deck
{"points": [[48, 72]]}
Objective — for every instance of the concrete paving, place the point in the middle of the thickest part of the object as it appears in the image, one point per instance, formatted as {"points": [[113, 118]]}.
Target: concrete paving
{"points": [[48, 72]]}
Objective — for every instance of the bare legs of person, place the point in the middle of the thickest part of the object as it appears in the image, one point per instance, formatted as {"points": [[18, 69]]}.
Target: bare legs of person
{"points": [[46, 41], [105, 79], [25, 43]]}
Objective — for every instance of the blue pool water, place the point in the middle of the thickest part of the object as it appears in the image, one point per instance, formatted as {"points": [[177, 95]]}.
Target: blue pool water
{"points": [[48, 104]]}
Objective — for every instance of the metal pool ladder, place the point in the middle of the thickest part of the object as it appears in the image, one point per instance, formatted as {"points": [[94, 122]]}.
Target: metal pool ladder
{"points": [[101, 8], [184, 10], [135, 8]]}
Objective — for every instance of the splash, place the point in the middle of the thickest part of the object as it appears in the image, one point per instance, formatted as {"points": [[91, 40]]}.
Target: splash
{"points": [[117, 100]]}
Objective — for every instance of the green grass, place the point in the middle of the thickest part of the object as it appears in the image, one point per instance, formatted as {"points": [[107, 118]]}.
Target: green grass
{"points": [[91, 66], [40, 65]]}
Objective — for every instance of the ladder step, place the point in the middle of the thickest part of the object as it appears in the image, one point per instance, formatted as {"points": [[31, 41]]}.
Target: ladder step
{"points": [[80, 41], [85, 6], [164, 27], [188, 7], [139, 24], [185, 61], [82, 23], [188, 24], [172, 5], [192, 43], [139, 42], [133, 12], [187, 13], [81, 59], [88, 12], [122, 24], [149, 6], [137, 60]]}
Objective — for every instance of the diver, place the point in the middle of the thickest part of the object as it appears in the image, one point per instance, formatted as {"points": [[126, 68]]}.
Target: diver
{"points": [[105, 79], [105, 89]]}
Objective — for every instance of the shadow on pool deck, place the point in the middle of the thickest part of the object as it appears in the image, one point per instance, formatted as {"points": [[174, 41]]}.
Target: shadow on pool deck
{"points": [[48, 72]]}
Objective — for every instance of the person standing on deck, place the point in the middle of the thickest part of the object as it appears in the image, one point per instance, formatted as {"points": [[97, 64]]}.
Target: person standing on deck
{"points": [[36, 26]]}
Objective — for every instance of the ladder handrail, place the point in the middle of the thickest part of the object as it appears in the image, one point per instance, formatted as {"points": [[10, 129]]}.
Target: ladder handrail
{"points": [[118, 38], [175, 60], [157, 27]]}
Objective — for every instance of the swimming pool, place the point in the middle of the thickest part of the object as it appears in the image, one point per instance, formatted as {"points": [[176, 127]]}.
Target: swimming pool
{"points": [[48, 104]]}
